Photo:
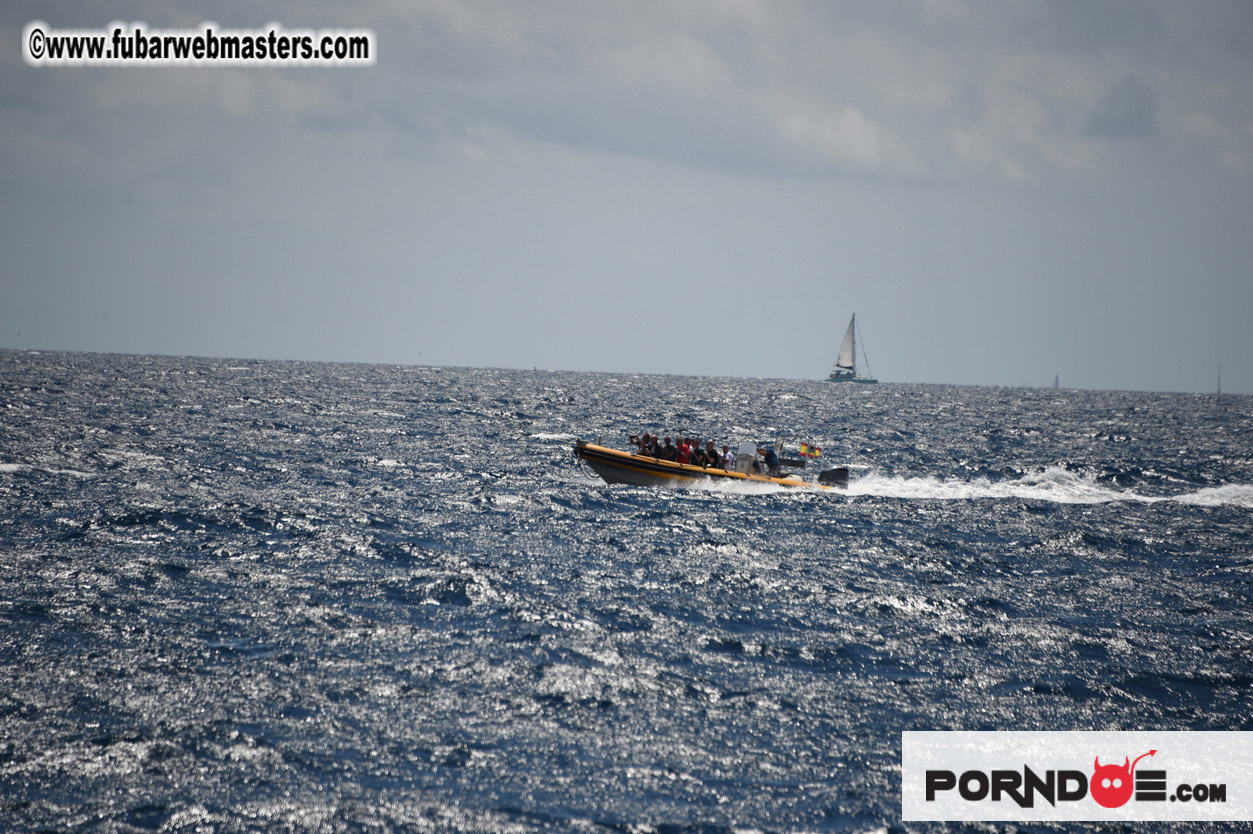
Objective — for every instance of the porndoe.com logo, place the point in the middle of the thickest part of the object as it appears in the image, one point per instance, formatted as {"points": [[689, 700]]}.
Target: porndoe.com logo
{"points": [[1041, 776], [1110, 785]]}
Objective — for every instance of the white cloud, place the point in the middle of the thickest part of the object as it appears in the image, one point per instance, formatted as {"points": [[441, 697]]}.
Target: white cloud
{"points": [[1234, 146], [827, 87], [850, 139], [973, 145]]}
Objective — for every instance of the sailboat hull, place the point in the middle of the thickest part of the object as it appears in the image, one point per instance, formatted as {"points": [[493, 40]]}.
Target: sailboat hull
{"points": [[864, 380]]}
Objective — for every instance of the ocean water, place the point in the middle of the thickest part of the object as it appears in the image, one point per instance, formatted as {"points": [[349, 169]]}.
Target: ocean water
{"points": [[298, 597]]}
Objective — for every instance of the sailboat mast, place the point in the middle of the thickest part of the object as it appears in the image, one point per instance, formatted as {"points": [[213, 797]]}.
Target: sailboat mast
{"points": [[865, 355]]}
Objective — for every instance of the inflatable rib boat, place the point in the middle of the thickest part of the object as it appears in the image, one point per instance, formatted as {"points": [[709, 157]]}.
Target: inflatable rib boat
{"points": [[618, 467]]}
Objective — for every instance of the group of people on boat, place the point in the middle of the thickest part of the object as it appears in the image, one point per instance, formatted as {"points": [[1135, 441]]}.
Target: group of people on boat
{"points": [[688, 450]]}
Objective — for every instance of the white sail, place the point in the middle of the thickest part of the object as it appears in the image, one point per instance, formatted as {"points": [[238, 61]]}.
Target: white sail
{"points": [[847, 360], [845, 369]]}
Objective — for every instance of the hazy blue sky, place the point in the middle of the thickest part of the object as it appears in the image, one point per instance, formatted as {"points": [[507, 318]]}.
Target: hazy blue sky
{"points": [[1002, 191]]}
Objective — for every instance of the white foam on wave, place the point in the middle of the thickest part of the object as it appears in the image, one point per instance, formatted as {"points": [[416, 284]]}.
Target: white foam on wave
{"points": [[543, 435], [738, 487], [1054, 484], [1239, 495], [719, 485], [14, 468]]}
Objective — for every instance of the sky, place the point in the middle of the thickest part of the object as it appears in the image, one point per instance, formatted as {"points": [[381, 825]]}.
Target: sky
{"points": [[1002, 191]]}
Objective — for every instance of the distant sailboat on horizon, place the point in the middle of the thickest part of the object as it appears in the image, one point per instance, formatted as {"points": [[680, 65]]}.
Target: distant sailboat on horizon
{"points": [[845, 369]]}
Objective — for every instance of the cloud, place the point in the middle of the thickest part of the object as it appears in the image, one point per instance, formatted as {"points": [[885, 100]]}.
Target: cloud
{"points": [[851, 140], [901, 89], [1234, 145], [975, 145], [916, 89], [1066, 27], [1129, 109], [750, 87]]}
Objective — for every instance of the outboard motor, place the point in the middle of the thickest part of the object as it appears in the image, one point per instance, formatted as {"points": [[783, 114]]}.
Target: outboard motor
{"points": [[837, 477]]}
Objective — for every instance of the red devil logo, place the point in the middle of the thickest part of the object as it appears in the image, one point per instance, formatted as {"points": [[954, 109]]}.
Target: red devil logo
{"points": [[1111, 785]]}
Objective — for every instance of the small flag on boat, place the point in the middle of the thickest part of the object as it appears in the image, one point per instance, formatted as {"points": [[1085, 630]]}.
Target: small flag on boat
{"points": [[808, 450], [804, 450]]}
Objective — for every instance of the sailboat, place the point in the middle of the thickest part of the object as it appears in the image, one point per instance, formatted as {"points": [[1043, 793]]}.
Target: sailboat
{"points": [[845, 369]]}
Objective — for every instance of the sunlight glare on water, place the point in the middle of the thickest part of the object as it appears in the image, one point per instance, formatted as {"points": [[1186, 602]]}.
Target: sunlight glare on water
{"points": [[248, 596]]}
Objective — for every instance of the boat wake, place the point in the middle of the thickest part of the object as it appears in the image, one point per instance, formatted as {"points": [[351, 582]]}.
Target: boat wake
{"points": [[1238, 495], [717, 485], [740, 487], [1054, 484]]}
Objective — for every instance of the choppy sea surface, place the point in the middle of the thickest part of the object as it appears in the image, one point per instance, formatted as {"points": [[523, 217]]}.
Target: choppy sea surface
{"points": [[281, 596]]}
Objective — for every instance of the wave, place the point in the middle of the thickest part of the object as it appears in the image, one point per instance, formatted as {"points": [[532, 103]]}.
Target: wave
{"points": [[1054, 484], [14, 468]]}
